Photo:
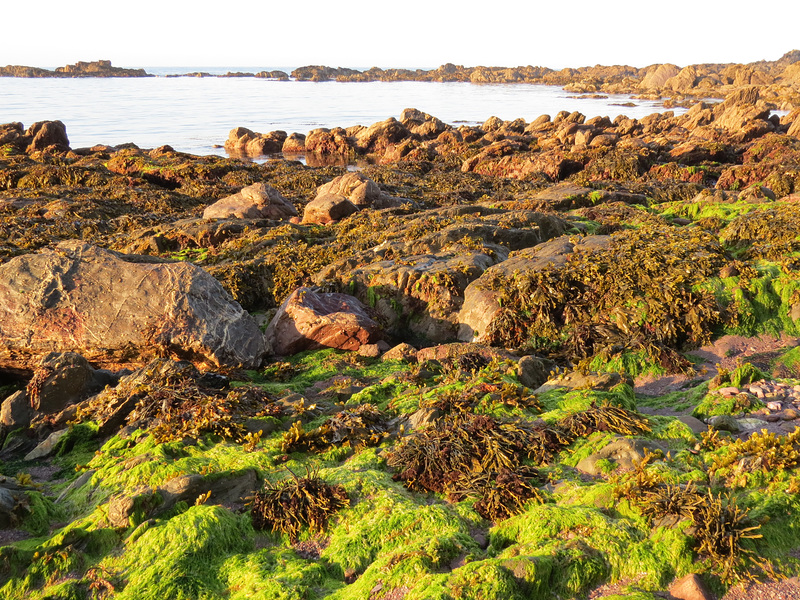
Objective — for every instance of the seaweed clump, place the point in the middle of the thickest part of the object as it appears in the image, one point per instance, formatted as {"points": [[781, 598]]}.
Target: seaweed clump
{"points": [[477, 455], [174, 401], [362, 426], [638, 293], [604, 418], [721, 528], [291, 504], [761, 452], [771, 234]]}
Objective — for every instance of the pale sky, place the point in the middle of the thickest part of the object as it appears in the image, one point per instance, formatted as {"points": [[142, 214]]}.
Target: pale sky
{"points": [[415, 33]]}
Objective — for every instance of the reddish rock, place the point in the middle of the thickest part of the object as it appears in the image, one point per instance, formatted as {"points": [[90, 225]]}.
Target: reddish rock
{"points": [[244, 142], [345, 195], [328, 141], [296, 142], [379, 136], [310, 320], [47, 134], [257, 201]]}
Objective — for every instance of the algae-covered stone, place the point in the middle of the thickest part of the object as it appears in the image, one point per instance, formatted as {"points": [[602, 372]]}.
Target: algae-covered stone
{"points": [[624, 453]]}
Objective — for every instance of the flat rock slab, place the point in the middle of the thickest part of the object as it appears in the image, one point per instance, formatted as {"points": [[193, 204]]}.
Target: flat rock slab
{"points": [[113, 309]]}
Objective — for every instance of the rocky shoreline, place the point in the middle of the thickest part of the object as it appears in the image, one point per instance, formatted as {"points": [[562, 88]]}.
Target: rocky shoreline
{"points": [[778, 80], [416, 379]]}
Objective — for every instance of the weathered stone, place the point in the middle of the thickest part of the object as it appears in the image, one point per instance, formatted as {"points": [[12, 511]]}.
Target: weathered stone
{"points": [[379, 136], [575, 380], [690, 587], [658, 75], [244, 142], [533, 371], [328, 209], [62, 379], [481, 298], [308, 320], [328, 141], [116, 308], [16, 410], [405, 352], [257, 201], [449, 352], [48, 446], [724, 423], [356, 187], [296, 142], [624, 452], [45, 134]]}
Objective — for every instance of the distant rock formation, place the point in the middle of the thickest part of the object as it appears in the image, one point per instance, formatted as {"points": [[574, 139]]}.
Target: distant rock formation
{"points": [[97, 68]]}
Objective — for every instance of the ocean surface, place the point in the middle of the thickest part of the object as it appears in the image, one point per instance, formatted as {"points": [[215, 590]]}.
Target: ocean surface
{"points": [[195, 114]]}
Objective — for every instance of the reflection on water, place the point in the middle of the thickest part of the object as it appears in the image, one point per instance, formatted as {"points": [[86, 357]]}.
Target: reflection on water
{"points": [[195, 114]]}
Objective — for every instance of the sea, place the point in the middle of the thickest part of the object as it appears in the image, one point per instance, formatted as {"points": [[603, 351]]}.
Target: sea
{"points": [[195, 114]]}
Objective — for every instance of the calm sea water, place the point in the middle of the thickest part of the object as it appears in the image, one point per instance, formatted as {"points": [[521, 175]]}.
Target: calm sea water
{"points": [[195, 114]]}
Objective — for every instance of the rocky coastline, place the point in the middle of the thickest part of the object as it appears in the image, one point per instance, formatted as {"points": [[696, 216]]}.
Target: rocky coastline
{"points": [[778, 80], [547, 359]]}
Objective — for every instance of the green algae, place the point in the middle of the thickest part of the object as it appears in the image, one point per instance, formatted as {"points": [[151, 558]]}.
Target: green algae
{"points": [[192, 548]]}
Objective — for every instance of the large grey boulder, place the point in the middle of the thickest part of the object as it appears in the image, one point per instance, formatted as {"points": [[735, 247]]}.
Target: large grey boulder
{"points": [[115, 308]]}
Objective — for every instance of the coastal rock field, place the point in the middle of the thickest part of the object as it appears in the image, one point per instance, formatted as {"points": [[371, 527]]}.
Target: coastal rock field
{"points": [[407, 360]]}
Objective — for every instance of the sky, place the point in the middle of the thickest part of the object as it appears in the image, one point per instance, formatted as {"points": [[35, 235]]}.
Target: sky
{"points": [[412, 34]]}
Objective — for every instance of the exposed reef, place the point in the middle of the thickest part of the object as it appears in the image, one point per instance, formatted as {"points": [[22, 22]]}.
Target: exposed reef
{"points": [[555, 359]]}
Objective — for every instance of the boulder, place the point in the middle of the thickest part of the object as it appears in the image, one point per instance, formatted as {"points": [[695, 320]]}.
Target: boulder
{"points": [[623, 452], [296, 142], [481, 304], [328, 141], [16, 410], [657, 76], [244, 142], [62, 379], [45, 134], [357, 188], [328, 208], [114, 308], [257, 201], [309, 320], [344, 196], [418, 295], [379, 136], [228, 488]]}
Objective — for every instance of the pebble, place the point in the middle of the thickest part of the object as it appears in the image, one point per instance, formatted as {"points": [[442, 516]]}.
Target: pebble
{"points": [[728, 391], [775, 406]]}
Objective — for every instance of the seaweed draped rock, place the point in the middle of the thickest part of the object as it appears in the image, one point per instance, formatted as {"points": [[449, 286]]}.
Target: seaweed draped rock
{"points": [[114, 308]]}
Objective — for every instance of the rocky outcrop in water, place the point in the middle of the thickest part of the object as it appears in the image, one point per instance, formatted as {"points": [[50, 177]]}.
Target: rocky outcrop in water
{"points": [[98, 68]]}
